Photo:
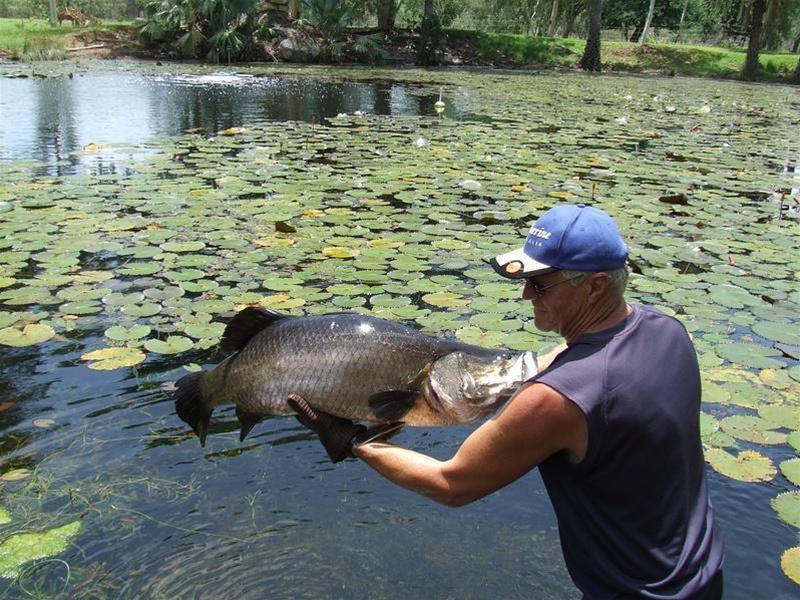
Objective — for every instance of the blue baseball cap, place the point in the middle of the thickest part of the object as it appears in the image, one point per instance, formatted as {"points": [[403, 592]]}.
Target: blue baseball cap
{"points": [[575, 237]]}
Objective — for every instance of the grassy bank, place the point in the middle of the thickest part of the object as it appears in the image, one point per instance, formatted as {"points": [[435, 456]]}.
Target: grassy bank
{"points": [[667, 59], [33, 39]]}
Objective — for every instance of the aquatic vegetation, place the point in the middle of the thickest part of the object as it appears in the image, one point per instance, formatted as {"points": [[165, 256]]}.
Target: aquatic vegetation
{"points": [[395, 216]]}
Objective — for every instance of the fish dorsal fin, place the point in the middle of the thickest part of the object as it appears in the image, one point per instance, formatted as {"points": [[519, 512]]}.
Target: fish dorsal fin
{"points": [[246, 324]]}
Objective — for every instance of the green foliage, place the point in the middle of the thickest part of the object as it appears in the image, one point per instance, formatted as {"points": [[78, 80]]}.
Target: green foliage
{"points": [[330, 17], [220, 29]]}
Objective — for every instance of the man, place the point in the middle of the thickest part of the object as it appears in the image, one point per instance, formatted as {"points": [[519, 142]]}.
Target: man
{"points": [[612, 424]]}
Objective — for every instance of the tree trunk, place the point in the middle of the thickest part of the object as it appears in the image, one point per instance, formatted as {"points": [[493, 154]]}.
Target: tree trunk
{"points": [[754, 43], [53, 14], [551, 30], [387, 11], [647, 21], [797, 72], [683, 16], [425, 33], [591, 54], [796, 43], [294, 9]]}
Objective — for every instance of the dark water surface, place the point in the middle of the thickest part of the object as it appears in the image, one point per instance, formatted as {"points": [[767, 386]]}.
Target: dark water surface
{"points": [[269, 518], [48, 119]]}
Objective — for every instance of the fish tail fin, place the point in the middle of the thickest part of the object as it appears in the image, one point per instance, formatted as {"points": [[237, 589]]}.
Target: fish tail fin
{"points": [[190, 406]]}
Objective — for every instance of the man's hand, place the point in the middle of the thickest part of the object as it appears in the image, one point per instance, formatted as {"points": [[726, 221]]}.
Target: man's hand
{"points": [[338, 435]]}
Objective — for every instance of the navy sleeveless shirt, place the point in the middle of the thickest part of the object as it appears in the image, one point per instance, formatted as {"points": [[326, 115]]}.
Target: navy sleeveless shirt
{"points": [[634, 515]]}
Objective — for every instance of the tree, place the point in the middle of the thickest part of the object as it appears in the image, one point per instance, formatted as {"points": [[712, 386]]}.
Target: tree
{"points": [[757, 10], [647, 21], [53, 15], [551, 29], [426, 49], [386, 11], [590, 61], [797, 72]]}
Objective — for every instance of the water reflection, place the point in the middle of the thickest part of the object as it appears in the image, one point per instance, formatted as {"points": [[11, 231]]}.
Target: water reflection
{"points": [[48, 119]]}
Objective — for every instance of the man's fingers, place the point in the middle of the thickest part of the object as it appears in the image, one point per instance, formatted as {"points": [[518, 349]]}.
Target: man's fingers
{"points": [[305, 414]]}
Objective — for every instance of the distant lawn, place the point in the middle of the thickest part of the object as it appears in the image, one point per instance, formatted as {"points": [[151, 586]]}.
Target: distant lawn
{"points": [[699, 61], [18, 34]]}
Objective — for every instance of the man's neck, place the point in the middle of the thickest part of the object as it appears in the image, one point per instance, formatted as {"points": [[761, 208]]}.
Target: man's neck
{"points": [[603, 316]]}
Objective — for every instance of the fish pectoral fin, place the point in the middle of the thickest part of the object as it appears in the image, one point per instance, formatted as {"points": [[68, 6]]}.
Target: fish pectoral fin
{"points": [[247, 420], [190, 406], [245, 325], [392, 405]]}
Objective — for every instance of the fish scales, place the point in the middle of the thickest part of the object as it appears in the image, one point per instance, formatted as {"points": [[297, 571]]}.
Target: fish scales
{"points": [[350, 365], [338, 364]]}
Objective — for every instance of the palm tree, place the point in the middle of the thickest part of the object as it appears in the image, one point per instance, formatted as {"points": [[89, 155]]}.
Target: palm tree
{"points": [[590, 61]]}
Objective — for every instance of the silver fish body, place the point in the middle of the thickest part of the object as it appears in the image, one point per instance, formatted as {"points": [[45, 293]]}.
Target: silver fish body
{"points": [[350, 365]]}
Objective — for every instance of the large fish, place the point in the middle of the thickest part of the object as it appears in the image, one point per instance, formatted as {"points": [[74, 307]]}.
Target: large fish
{"points": [[350, 365]]}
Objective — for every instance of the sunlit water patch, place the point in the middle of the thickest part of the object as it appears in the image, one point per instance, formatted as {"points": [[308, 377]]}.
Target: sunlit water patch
{"points": [[115, 280]]}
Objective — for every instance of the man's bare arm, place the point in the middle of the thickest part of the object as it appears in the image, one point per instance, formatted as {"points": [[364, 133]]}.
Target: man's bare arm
{"points": [[535, 424]]}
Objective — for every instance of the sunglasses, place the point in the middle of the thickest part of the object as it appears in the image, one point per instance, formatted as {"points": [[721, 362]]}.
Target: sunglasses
{"points": [[540, 290]]}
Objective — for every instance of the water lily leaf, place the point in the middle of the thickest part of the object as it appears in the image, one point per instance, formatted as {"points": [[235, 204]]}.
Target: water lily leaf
{"points": [[33, 333], [145, 309], [790, 563], [137, 269], [16, 474], [5, 516], [445, 299], [21, 548], [794, 372], [173, 344], [781, 415], [777, 332], [748, 465], [499, 290], [205, 330], [752, 429], [340, 252], [750, 355], [109, 359], [787, 505], [479, 337], [193, 246], [791, 470], [119, 333]]}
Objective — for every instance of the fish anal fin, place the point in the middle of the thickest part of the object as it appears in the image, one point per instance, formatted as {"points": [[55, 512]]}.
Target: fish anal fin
{"points": [[392, 405], [190, 406], [246, 324], [247, 420]]}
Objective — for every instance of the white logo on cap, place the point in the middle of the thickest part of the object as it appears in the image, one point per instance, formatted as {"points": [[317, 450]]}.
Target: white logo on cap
{"points": [[540, 233]]}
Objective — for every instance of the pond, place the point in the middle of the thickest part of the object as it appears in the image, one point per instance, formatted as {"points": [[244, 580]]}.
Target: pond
{"points": [[141, 204]]}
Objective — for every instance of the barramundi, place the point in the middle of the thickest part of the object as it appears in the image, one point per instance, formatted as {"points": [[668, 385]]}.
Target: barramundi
{"points": [[350, 365]]}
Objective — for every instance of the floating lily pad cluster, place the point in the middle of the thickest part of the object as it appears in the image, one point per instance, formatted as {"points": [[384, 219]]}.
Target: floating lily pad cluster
{"points": [[396, 216]]}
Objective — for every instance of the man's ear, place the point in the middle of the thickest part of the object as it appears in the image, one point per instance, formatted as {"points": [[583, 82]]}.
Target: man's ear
{"points": [[597, 285]]}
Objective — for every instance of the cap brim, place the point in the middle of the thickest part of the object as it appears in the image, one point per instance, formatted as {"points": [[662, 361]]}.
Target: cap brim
{"points": [[518, 265]]}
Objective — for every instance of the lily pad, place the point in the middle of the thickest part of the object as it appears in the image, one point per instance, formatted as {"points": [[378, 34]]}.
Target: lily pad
{"points": [[748, 465], [750, 355], [109, 359], [752, 429], [173, 344], [33, 333], [119, 333], [787, 505], [790, 563], [791, 470], [22, 548]]}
